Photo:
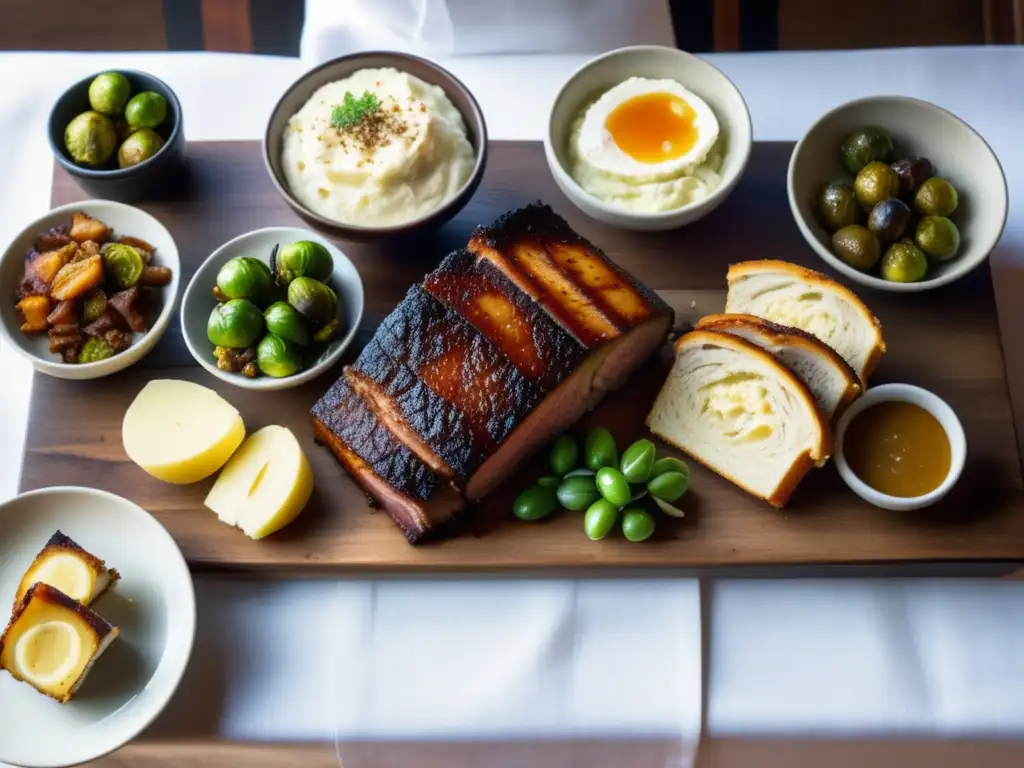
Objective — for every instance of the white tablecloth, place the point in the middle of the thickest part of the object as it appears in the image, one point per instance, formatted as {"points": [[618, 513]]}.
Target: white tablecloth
{"points": [[510, 658]]}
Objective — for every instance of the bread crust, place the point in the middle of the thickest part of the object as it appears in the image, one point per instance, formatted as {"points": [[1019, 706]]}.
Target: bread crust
{"points": [[804, 462], [745, 268]]}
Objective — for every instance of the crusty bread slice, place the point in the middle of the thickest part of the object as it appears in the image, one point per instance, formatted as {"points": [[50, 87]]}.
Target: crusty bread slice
{"points": [[830, 378], [790, 295], [736, 409]]}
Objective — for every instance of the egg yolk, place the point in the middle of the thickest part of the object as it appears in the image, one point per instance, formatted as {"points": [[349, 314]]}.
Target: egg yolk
{"points": [[653, 127]]}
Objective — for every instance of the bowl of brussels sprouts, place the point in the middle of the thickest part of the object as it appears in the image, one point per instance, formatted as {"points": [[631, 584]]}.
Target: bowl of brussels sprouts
{"points": [[272, 309]]}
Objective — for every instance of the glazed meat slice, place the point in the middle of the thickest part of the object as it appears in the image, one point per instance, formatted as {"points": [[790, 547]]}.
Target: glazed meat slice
{"points": [[537, 346], [415, 497]]}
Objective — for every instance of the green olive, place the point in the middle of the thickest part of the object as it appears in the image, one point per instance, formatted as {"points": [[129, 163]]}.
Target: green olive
{"points": [[889, 219], [857, 246], [669, 464], [305, 258], [637, 524], [638, 461], [328, 332], [904, 262], [535, 502], [90, 139], [314, 300], [837, 206], [938, 237], [244, 277], [278, 358], [122, 264], [577, 493], [284, 320], [548, 480], [669, 486], [140, 146], [599, 449], [599, 519], [913, 171], [936, 197], [875, 182], [108, 92], [145, 110], [613, 486], [235, 324], [864, 145], [564, 453]]}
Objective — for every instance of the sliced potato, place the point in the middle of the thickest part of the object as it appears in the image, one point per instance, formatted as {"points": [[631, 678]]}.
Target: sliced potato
{"points": [[47, 265], [77, 278], [85, 228], [34, 310]]}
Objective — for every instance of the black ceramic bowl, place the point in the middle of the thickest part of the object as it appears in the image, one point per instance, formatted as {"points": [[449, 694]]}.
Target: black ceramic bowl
{"points": [[149, 178], [300, 91]]}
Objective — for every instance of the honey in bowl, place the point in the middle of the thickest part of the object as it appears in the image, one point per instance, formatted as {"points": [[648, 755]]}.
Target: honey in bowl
{"points": [[898, 448]]}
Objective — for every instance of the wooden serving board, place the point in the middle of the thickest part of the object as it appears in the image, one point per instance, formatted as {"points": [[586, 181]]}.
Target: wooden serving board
{"points": [[946, 340]]}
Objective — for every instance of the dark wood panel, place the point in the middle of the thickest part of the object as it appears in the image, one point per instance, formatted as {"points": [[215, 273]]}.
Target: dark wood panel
{"points": [[946, 340], [73, 25]]}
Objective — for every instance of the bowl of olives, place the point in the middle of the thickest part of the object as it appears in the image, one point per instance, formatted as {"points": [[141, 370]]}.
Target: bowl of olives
{"points": [[272, 309], [897, 194], [119, 134]]}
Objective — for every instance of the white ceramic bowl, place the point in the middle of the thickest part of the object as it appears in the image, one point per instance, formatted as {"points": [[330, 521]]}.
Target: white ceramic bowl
{"points": [[153, 605], [919, 129], [937, 407], [198, 302], [125, 220], [650, 61]]}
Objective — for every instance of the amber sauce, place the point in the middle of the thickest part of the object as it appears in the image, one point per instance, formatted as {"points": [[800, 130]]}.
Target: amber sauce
{"points": [[897, 448], [653, 127]]}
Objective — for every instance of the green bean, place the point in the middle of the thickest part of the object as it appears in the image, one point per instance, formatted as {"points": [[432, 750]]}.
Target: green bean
{"points": [[535, 502], [599, 449], [637, 461], [564, 453], [613, 486], [600, 519]]}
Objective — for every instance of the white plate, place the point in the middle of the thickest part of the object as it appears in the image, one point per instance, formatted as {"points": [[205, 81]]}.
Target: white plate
{"points": [[198, 302], [153, 604]]}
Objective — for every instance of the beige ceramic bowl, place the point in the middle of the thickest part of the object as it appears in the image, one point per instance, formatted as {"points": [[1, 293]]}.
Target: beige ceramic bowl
{"points": [[608, 70], [917, 128]]}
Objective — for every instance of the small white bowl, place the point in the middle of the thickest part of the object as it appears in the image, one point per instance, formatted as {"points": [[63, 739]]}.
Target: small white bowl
{"points": [[651, 61], [918, 128], [125, 220], [937, 407], [153, 605], [198, 302]]}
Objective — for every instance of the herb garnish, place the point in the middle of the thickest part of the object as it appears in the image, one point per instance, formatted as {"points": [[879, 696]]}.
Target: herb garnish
{"points": [[353, 111]]}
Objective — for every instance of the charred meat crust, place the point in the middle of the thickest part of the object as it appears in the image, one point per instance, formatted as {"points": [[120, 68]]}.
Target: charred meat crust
{"points": [[460, 365], [442, 427], [538, 346]]}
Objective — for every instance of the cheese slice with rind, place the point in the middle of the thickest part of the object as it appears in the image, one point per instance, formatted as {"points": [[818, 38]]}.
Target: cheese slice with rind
{"points": [[180, 432], [63, 564], [265, 485]]}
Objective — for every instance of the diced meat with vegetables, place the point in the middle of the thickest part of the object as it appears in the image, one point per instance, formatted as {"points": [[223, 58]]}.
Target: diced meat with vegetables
{"points": [[87, 249], [66, 312], [69, 354], [77, 278], [85, 228], [118, 340], [127, 303], [44, 267], [59, 341], [110, 320], [34, 310], [52, 239], [155, 277]]}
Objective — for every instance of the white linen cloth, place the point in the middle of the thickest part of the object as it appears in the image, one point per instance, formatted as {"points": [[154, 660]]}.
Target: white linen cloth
{"points": [[846, 657]]}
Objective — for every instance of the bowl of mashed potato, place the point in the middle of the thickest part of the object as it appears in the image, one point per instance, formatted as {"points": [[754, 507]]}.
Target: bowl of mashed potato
{"points": [[648, 138], [376, 144]]}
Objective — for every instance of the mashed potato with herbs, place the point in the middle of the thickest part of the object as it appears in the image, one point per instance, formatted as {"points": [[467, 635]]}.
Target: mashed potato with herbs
{"points": [[378, 148], [647, 146]]}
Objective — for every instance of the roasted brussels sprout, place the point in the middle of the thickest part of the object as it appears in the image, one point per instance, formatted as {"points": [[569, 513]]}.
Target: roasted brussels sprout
{"points": [[904, 262], [277, 357], [912, 172], [328, 332], [285, 321], [857, 246], [235, 324], [94, 304], [938, 237], [314, 300], [936, 197], [122, 264], [865, 145], [244, 277], [241, 361], [889, 219], [95, 348], [90, 139], [837, 206], [876, 182], [108, 92], [141, 145], [146, 110], [303, 259]]}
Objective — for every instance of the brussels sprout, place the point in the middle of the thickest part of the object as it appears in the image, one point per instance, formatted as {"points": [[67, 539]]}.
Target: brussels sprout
{"points": [[328, 332], [938, 237], [637, 524], [837, 206], [277, 357], [146, 110], [314, 300], [284, 320], [123, 264], [936, 197], [904, 262], [94, 304], [140, 146], [95, 348], [864, 145], [108, 92], [235, 324], [303, 259], [244, 277], [90, 139], [535, 502], [875, 182], [600, 519], [857, 246]]}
